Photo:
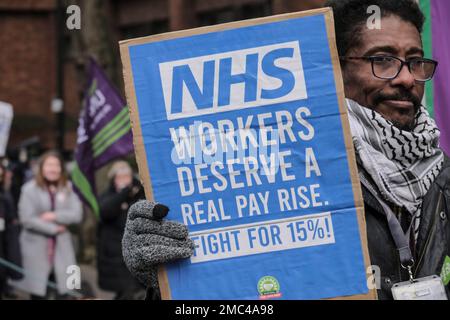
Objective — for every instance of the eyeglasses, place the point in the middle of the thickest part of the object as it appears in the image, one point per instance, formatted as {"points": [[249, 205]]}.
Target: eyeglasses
{"points": [[389, 67]]}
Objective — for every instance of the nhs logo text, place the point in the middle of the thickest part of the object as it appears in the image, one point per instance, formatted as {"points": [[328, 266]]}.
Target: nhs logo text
{"points": [[233, 80]]}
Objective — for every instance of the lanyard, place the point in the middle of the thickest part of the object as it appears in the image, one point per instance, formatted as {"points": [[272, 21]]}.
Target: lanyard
{"points": [[400, 238]]}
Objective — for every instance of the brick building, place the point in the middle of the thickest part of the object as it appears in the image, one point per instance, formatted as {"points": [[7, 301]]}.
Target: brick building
{"points": [[41, 60]]}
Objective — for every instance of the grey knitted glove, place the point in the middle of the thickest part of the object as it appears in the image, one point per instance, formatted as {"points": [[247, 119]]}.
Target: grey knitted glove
{"points": [[149, 240]]}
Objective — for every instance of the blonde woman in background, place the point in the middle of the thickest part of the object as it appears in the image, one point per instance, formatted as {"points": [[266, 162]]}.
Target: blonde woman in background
{"points": [[113, 275], [47, 206]]}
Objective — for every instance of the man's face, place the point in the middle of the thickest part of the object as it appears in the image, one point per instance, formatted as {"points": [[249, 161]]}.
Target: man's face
{"points": [[398, 99]]}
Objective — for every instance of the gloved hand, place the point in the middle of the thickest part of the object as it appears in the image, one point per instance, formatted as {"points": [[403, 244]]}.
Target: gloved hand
{"points": [[149, 241]]}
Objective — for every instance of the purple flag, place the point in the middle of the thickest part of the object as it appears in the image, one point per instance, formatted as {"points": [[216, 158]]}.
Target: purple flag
{"points": [[440, 13], [104, 133]]}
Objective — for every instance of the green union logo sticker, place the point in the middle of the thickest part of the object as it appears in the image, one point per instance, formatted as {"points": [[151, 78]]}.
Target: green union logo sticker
{"points": [[268, 287]]}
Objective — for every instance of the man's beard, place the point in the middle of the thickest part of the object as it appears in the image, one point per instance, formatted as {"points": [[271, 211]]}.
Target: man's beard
{"points": [[402, 94], [406, 127]]}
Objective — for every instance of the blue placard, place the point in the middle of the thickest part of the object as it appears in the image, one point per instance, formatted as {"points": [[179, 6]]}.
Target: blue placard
{"points": [[243, 140]]}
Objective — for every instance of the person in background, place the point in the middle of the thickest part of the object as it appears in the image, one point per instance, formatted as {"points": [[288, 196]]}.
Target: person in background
{"points": [[10, 256], [47, 206], [123, 191]]}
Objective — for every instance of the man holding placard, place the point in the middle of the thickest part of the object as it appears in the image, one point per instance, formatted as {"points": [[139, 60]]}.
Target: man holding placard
{"points": [[299, 220]]}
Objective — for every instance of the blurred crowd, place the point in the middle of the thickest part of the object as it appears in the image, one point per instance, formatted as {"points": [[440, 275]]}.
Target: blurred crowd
{"points": [[40, 214]]}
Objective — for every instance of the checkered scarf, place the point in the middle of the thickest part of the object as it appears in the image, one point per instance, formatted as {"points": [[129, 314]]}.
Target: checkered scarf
{"points": [[402, 165]]}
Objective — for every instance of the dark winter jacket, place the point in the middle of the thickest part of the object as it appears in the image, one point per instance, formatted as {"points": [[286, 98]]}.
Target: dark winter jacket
{"points": [[433, 243], [112, 271], [9, 239]]}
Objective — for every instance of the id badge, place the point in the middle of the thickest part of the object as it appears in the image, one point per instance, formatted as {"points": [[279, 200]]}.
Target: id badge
{"points": [[2, 224], [428, 288]]}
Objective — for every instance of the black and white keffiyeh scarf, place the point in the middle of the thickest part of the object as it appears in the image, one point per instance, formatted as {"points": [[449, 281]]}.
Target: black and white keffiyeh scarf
{"points": [[401, 164]]}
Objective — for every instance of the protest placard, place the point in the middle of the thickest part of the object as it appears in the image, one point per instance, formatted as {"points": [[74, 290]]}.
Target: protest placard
{"points": [[242, 130]]}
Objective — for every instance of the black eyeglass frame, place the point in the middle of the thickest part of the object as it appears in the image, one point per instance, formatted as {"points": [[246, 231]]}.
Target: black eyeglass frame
{"points": [[403, 63]]}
